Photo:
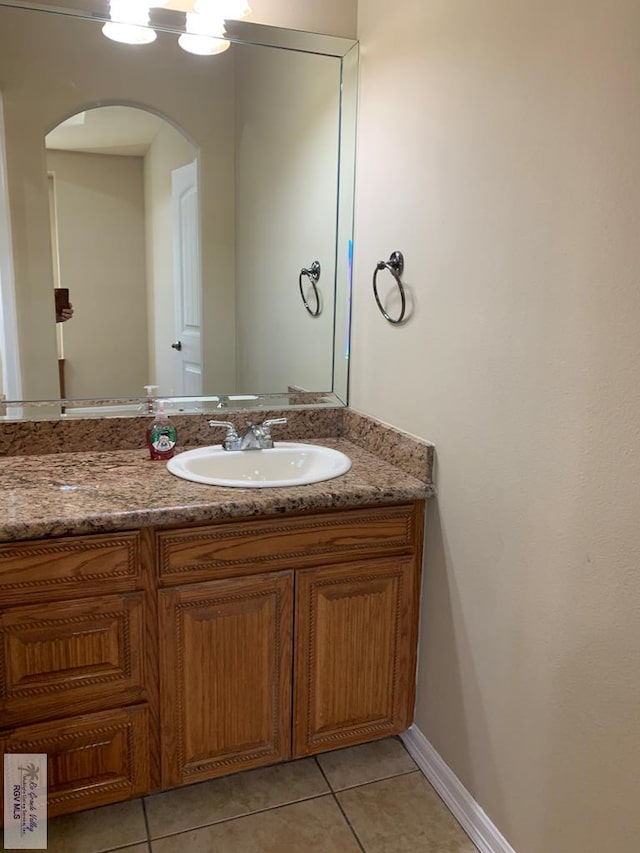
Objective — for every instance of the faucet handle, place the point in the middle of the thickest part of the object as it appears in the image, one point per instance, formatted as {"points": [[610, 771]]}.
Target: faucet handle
{"points": [[266, 425], [230, 428], [273, 421], [231, 439]]}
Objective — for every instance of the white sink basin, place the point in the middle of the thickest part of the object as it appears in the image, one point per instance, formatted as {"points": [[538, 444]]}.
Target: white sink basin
{"points": [[286, 464]]}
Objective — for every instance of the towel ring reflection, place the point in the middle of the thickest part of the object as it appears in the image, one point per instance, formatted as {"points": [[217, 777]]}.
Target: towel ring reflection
{"points": [[395, 265], [313, 274]]}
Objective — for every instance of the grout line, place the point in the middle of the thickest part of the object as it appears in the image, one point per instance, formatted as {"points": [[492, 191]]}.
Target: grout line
{"points": [[146, 820], [339, 804], [331, 792], [324, 775], [244, 814], [349, 824], [381, 779], [133, 844]]}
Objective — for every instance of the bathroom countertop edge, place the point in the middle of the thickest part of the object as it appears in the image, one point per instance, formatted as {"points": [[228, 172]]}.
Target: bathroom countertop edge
{"points": [[82, 493]]}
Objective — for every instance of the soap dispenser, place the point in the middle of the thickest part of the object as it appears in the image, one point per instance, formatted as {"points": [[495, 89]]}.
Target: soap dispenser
{"points": [[161, 435], [149, 390]]}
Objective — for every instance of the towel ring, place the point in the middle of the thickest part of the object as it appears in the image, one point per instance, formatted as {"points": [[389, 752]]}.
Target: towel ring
{"points": [[395, 265], [313, 274]]}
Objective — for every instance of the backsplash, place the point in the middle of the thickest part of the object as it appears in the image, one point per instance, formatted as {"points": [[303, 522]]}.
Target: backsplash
{"points": [[408, 453], [26, 438]]}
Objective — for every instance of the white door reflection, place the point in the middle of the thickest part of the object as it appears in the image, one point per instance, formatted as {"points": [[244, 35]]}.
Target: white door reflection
{"points": [[187, 281]]}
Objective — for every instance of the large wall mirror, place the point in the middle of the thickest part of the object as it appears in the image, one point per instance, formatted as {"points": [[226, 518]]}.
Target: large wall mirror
{"points": [[185, 202]]}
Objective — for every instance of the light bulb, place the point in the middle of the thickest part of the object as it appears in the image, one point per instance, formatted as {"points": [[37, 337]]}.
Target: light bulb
{"points": [[202, 45], [204, 35], [128, 33], [129, 22], [205, 25]]}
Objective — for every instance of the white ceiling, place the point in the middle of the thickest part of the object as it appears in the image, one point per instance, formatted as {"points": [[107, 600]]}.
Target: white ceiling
{"points": [[107, 130]]}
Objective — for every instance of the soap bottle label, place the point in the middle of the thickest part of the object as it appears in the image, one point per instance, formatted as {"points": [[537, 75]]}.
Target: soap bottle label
{"points": [[162, 441]]}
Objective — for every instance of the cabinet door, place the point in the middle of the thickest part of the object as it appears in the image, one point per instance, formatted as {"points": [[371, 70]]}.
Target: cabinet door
{"points": [[93, 760], [355, 653], [226, 658], [86, 654]]}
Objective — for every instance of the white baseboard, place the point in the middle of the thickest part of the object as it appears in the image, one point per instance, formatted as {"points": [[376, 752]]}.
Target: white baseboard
{"points": [[484, 834]]}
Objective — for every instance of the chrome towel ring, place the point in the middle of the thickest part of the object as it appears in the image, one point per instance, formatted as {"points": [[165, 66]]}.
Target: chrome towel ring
{"points": [[395, 265], [313, 274]]}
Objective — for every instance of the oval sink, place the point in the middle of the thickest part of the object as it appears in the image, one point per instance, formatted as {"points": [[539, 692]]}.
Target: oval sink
{"points": [[286, 464]]}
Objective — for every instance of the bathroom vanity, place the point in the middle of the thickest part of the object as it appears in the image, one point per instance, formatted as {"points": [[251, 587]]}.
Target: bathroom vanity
{"points": [[169, 632], [157, 632]]}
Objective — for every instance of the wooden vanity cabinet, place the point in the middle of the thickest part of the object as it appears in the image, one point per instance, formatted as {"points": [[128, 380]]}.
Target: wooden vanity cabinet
{"points": [[336, 593], [355, 652], [76, 678], [225, 676], [144, 660]]}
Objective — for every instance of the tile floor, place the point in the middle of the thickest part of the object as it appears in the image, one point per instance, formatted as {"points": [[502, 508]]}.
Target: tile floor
{"points": [[364, 799]]}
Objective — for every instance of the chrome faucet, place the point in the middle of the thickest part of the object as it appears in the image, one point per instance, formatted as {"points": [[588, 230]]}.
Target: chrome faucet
{"points": [[257, 436]]}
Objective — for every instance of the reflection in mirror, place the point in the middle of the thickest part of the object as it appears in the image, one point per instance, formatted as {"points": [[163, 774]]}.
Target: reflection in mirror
{"points": [[123, 206], [177, 198]]}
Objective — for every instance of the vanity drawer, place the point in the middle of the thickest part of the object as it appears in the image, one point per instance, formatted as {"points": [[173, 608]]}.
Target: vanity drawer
{"points": [[247, 547], [43, 570], [85, 654], [92, 760]]}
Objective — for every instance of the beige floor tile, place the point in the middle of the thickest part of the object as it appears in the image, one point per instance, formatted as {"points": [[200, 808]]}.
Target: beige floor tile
{"points": [[313, 825], [233, 796], [356, 765], [403, 815], [96, 831], [137, 848]]}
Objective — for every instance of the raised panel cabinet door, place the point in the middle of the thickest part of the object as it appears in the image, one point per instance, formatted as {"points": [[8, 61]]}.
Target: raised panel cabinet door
{"points": [[225, 676], [92, 760], [85, 654], [356, 639]]}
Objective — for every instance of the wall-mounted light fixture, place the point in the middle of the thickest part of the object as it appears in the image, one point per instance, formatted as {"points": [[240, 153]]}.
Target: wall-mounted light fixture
{"points": [[204, 34], [129, 22]]}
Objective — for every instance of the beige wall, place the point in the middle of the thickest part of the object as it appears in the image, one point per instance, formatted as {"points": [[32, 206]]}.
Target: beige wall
{"points": [[287, 153], [101, 242], [334, 17], [498, 149], [90, 70], [168, 151]]}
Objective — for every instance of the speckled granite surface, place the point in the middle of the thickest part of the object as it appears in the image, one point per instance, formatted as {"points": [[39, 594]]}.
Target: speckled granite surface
{"points": [[410, 454], [22, 438], [89, 492]]}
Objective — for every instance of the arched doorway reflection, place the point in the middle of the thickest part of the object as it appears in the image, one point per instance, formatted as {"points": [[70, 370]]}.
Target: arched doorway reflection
{"points": [[125, 232]]}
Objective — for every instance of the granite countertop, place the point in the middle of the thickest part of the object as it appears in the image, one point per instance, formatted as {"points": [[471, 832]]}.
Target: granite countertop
{"points": [[73, 493]]}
